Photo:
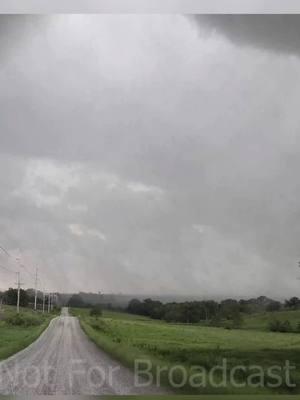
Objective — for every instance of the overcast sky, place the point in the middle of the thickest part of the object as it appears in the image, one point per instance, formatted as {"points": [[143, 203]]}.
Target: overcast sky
{"points": [[154, 6], [151, 154]]}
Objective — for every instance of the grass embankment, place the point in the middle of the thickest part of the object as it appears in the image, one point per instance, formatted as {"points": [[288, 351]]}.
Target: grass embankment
{"points": [[128, 338], [18, 332]]}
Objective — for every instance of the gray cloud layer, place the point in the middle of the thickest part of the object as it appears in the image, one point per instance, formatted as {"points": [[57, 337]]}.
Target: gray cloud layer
{"points": [[142, 154], [280, 33], [152, 6]]}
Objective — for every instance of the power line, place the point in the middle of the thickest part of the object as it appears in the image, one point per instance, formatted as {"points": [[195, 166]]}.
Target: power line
{"points": [[5, 251], [7, 269], [37, 280], [28, 272]]}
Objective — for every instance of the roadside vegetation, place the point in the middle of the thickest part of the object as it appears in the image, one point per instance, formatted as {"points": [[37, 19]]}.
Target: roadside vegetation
{"points": [[128, 337], [18, 331]]}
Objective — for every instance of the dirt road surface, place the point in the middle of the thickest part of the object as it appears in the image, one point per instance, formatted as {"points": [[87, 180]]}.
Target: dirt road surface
{"points": [[63, 361]]}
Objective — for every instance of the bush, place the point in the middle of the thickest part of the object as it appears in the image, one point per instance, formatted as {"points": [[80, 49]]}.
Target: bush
{"points": [[96, 311], [237, 320], [76, 301], [100, 325], [23, 320], [274, 325], [279, 326], [216, 321], [286, 327]]}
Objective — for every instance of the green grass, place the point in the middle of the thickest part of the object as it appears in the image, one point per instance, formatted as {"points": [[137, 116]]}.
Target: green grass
{"points": [[15, 338], [127, 338]]}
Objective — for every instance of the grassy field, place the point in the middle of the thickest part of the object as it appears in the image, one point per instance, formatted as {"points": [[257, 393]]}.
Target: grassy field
{"points": [[14, 338], [262, 320], [128, 337]]}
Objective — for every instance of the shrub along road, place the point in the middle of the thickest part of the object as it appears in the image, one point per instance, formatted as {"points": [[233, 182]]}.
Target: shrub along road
{"points": [[64, 361]]}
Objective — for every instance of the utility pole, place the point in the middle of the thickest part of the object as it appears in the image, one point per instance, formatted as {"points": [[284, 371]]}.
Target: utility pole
{"points": [[49, 301], [54, 301], [35, 287], [19, 290], [44, 301]]}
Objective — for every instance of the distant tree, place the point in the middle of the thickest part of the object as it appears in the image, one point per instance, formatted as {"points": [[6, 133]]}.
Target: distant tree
{"points": [[11, 295], [153, 308], [216, 320], [293, 303], [273, 306], [148, 307], [76, 301], [184, 312], [158, 311], [245, 307], [187, 312], [135, 306], [229, 308], [211, 308], [194, 312], [237, 320], [96, 310], [173, 313]]}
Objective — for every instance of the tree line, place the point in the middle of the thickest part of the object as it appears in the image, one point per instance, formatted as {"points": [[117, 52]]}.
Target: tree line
{"points": [[208, 310], [9, 297]]}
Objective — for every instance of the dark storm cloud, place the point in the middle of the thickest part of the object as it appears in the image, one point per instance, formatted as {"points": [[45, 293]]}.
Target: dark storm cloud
{"points": [[279, 33]]}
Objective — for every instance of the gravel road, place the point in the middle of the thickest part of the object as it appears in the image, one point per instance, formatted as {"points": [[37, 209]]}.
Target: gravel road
{"points": [[63, 361]]}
